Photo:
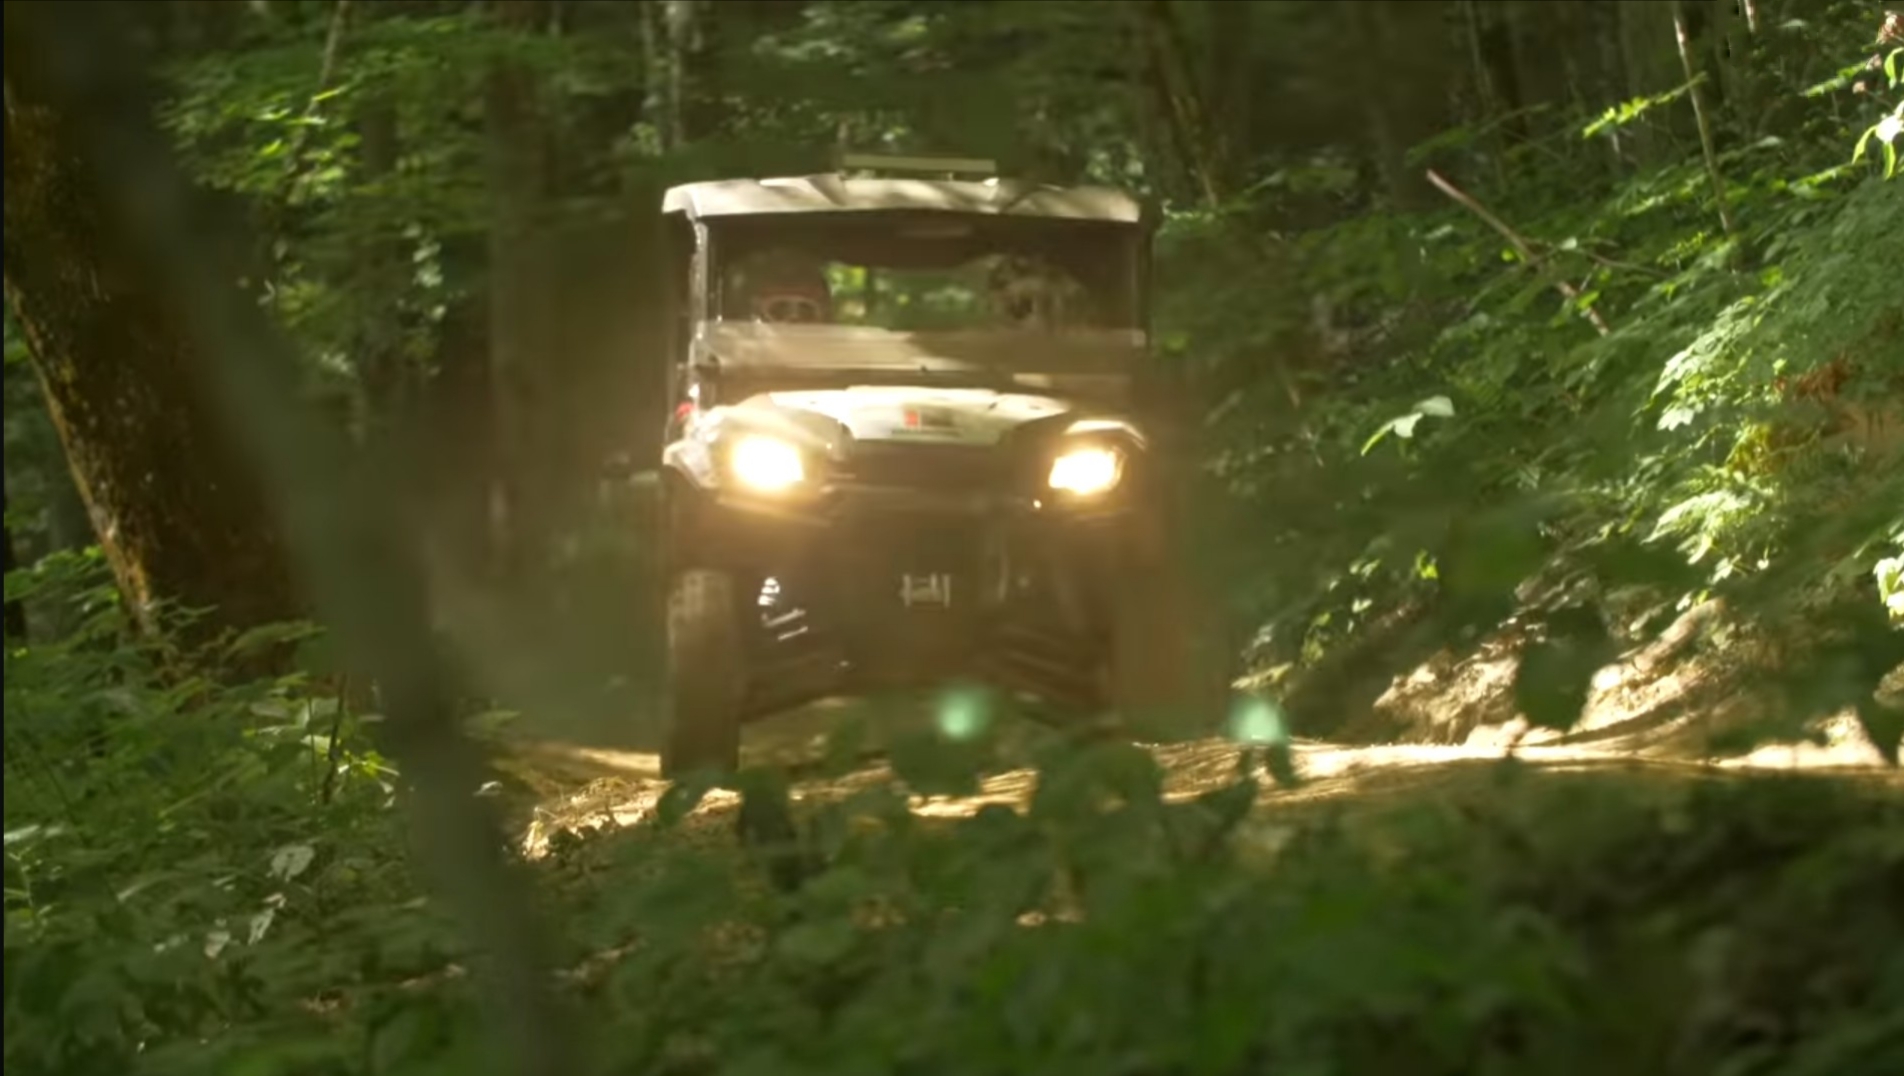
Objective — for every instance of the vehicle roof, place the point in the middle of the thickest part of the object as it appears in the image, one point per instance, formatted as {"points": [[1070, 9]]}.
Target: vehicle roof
{"points": [[834, 193]]}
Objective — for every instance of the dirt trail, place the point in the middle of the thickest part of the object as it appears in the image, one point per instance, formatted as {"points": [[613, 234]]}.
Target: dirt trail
{"points": [[587, 788]]}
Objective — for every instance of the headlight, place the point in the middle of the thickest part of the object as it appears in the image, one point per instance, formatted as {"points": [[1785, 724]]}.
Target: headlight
{"points": [[767, 464], [1087, 471]]}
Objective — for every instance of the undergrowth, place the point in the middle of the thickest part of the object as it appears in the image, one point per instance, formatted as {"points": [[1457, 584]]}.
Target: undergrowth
{"points": [[1424, 419], [209, 878], [204, 876]]}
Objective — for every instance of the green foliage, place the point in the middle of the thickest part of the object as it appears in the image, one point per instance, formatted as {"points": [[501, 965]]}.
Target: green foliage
{"points": [[1735, 416], [1890, 577], [41, 502], [1887, 130], [208, 878], [195, 875], [374, 188], [1426, 442], [1108, 930]]}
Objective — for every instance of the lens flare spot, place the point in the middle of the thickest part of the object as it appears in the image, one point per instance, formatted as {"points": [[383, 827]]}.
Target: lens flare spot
{"points": [[1258, 722], [964, 713]]}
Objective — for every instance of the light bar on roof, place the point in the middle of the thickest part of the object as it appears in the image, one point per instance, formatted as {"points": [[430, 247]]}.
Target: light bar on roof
{"points": [[879, 162]]}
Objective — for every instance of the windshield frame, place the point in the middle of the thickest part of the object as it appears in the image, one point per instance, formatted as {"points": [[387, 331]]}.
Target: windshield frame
{"points": [[1124, 282]]}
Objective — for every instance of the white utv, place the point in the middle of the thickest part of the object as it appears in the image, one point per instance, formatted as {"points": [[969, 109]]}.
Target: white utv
{"points": [[912, 445]]}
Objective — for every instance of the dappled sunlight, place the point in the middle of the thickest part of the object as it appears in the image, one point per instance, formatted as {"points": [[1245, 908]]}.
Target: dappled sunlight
{"points": [[1253, 567], [1327, 773]]}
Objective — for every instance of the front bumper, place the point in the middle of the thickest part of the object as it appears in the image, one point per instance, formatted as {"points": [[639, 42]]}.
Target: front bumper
{"points": [[882, 488], [905, 585], [761, 533]]}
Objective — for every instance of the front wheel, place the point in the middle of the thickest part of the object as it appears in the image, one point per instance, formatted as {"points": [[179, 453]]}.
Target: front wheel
{"points": [[707, 673], [1168, 669]]}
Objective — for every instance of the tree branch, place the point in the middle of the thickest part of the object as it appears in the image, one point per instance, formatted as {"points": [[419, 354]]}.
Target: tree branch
{"points": [[1520, 244], [326, 78]]}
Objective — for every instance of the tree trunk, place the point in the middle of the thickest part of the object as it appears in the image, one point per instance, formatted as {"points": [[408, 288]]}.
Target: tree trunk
{"points": [[657, 97], [1231, 36], [681, 27], [1609, 85], [16, 610], [458, 451], [1486, 100], [1405, 105], [518, 302], [1683, 34], [381, 272], [1493, 36], [1646, 36], [1184, 109], [1540, 51], [178, 513]]}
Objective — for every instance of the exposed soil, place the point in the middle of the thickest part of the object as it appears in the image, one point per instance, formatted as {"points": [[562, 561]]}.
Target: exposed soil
{"points": [[1646, 721]]}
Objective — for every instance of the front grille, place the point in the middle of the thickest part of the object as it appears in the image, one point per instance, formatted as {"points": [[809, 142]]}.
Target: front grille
{"points": [[938, 468]]}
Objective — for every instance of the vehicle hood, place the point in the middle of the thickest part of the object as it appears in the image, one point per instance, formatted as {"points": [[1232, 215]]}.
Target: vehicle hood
{"points": [[926, 415], [740, 347]]}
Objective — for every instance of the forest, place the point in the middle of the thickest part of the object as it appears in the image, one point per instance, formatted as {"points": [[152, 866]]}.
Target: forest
{"points": [[1542, 362]]}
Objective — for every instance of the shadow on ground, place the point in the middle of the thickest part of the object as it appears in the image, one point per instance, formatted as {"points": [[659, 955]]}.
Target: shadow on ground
{"points": [[581, 788]]}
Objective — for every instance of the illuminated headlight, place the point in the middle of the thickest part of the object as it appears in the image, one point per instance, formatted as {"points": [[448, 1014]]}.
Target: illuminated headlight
{"points": [[1086, 471], [767, 464]]}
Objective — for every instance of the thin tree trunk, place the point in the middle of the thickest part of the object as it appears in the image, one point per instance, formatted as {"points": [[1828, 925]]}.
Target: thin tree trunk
{"points": [[1487, 99], [1650, 69], [16, 610], [381, 273], [1177, 97], [681, 25], [1228, 87], [1384, 146], [1540, 50], [656, 101], [179, 515], [700, 31], [1613, 80], [518, 174], [1695, 91]]}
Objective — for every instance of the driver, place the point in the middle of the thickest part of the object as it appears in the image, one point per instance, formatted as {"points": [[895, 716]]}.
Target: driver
{"points": [[785, 287]]}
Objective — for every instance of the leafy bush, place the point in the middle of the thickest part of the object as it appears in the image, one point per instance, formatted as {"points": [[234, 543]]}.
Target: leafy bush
{"points": [[1583, 924], [195, 871], [208, 878], [1408, 392]]}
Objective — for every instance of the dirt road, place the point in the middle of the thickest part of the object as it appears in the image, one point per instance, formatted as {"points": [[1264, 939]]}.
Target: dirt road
{"points": [[588, 788]]}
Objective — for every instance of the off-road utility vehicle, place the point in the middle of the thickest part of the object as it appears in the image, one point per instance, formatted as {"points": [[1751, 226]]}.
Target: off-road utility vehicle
{"points": [[912, 445]]}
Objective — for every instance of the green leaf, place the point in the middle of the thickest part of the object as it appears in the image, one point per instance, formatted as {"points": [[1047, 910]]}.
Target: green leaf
{"points": [[846, 746], [1555, 677], [935, 765], [821, 943], [1675, 417]]}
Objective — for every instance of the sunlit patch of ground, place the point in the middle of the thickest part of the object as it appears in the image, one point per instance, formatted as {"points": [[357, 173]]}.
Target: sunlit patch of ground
{"points": [[1658, 700], [1649, 717], [593, 789]]}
